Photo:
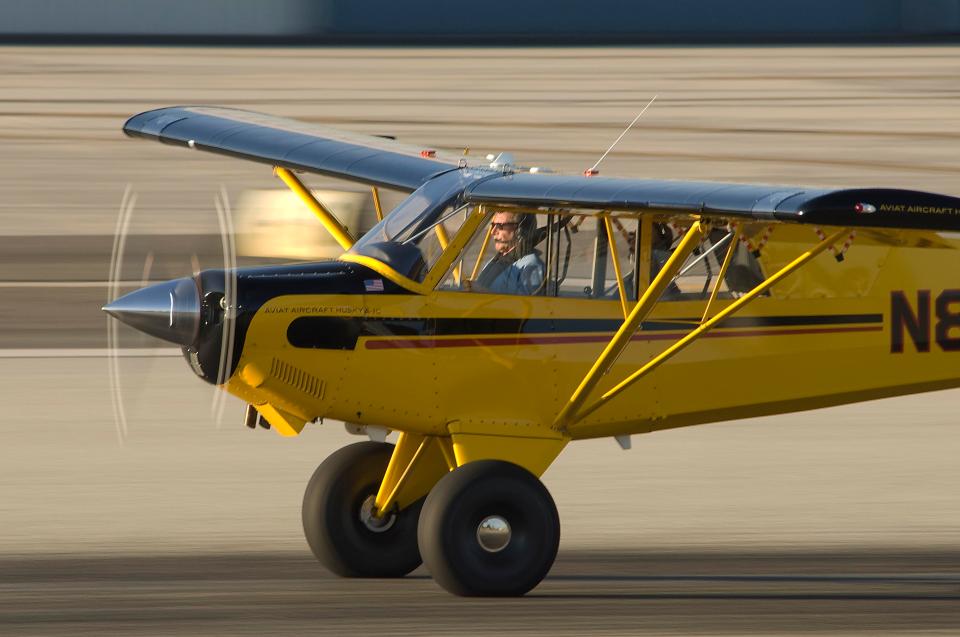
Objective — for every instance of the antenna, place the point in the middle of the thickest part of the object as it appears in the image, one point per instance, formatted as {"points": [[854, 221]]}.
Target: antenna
{"points": [[593, 170]]}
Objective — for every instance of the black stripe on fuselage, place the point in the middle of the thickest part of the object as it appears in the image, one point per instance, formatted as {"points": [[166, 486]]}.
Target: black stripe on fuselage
{"points": [[323, 332]]}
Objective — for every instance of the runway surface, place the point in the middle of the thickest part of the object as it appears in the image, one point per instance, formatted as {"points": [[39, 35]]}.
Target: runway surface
{"points": [[588, 593], [841, 521]]}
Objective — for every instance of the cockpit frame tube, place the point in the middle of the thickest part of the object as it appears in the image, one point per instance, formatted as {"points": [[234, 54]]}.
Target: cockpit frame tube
{"points": [[616, 264], [727, 260], [644, 253], [483, 249]]}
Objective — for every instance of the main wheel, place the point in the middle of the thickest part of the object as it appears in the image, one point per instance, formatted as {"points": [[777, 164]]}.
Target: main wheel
{"points": [[489, 528], [338, 522]]}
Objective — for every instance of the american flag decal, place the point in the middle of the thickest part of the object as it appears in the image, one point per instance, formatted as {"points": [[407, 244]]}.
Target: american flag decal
{"points": [[373, 285]]}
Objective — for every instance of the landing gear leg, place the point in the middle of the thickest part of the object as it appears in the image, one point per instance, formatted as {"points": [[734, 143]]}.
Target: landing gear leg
{"points": [[489, 528], [339, 521]]}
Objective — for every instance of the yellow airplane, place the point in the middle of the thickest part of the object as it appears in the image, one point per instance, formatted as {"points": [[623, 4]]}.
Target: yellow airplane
{"points": [[499, 313]]}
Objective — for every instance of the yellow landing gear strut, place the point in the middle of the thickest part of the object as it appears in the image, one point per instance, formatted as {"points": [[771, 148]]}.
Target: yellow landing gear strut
{"points": [[416, 464], [419, 461]]}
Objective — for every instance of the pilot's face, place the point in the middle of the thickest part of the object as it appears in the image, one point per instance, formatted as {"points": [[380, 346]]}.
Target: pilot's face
{"points": [[504, 225]]}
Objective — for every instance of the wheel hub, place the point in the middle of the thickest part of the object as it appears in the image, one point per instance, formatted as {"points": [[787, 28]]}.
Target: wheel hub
{"points": [[371, 521], [493, 534]]}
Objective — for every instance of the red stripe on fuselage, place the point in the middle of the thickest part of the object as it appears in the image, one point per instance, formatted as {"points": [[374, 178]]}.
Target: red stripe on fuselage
{"points": [[495, 341]]}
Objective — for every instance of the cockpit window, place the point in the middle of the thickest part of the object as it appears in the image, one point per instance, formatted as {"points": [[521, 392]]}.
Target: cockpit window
{"points": [[505, 256], [586, 268], [565, 254], [412, 236], [698, 276], [412, 214]]}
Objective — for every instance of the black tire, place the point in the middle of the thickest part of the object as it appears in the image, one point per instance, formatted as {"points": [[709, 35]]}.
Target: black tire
{"points": [[332, 522], [453, 511]]}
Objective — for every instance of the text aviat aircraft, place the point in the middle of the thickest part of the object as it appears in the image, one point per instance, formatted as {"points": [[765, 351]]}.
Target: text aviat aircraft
{"points": [[496, 314]]}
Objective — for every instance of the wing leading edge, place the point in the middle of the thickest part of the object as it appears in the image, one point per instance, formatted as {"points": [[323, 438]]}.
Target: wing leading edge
{"points": [[290, 144], [865, 207]]}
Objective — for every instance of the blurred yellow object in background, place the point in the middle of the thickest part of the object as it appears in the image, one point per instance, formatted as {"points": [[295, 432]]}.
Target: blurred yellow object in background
{"points": [[275, 223]]}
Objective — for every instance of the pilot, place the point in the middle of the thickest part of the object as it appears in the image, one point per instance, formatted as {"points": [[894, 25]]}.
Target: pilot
{"points": [[517, 267]]}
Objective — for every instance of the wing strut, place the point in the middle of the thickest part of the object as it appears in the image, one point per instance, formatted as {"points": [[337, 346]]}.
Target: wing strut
{"points": [[574, 411], [569, 414], [376, 203], [329, 221]]}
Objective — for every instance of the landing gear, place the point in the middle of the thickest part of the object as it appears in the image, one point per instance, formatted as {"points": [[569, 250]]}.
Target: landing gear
{"points": [[489, 528], [338, 520]]}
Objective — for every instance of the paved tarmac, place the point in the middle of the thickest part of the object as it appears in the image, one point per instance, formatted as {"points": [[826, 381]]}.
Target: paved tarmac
{"points": [[840, 521], [588, 593]]}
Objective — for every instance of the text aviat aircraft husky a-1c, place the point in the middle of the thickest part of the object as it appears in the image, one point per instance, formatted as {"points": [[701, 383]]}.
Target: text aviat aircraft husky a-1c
{"points": [[495, 315]]}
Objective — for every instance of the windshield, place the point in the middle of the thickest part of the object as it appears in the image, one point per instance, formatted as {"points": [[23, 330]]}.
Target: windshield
{"points": [[402, 240]]}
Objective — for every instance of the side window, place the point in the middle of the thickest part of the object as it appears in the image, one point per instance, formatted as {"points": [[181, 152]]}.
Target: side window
{"points": [[467, 266], [433, 240], [507, 255], [699, 274], [586, 262], [570, 256]]}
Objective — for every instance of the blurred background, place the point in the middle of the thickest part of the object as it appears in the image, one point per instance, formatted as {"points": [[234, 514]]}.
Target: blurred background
{"points": [[841, 520], [436, 21]]}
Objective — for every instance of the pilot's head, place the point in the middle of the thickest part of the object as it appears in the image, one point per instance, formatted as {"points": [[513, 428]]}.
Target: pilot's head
{"points": [[506, 231]]}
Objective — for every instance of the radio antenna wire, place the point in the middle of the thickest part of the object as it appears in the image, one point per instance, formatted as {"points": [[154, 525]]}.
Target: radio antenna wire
{"points": [[593, 169]]}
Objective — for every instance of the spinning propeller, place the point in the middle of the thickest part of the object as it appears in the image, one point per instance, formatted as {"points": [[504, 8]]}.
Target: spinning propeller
{"points": [[194, 313]]}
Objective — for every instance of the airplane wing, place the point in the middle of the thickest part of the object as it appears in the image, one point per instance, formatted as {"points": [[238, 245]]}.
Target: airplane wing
{"points": [[865, 207], [383, 162], [291, 144]]}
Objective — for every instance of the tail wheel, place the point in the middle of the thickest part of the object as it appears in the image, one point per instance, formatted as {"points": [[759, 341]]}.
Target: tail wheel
{"points": [[489, 528], [338, 519]]}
